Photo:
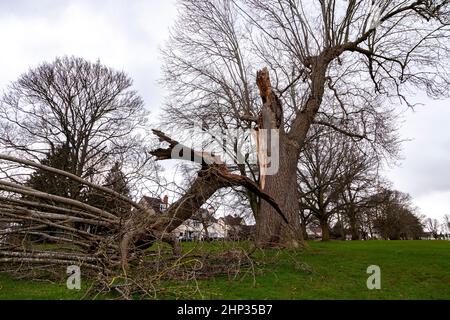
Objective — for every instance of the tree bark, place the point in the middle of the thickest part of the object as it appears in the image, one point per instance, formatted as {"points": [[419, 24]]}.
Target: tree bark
{"points": [[325, 230], [354, 231], [304, 231], [272, 231], [281, 184], [352, 219]]}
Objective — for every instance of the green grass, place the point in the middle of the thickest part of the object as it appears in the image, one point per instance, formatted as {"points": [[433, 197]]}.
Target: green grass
{"points": [[337, 270], [12, 289], [334, 270]]}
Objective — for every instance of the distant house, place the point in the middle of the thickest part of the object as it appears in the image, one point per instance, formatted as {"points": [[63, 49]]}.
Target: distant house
{"points": [[204, 226], [314, 232], [157, 204], [235, 228], [201, 226]]}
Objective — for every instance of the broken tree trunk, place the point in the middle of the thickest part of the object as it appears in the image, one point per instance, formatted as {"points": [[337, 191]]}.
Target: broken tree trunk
{"points": [[278, 158], [141, 229], [213, 175]]}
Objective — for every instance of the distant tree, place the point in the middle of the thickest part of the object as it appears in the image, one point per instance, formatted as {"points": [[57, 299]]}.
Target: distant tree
{"points": [[446, 223], [335, 176], [86, 107], [306, 218], [338, 231], [319, 174], [116, 181], [360, 171], [433, 227], [45, 181], [395, 218]]}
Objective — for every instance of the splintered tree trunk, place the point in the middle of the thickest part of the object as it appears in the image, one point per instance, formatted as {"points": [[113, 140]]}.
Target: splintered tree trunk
{"points": [[143, 228], [278, 181]]}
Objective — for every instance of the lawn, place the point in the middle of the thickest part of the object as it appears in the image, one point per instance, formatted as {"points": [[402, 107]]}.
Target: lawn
{"points": [[334, 270]]}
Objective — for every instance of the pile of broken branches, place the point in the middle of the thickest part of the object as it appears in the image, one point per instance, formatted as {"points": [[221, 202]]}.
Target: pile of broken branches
{"points": [[76, 233]]}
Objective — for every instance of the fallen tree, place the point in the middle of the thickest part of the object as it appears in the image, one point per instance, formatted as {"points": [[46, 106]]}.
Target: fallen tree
{"points": [[124, 240]]}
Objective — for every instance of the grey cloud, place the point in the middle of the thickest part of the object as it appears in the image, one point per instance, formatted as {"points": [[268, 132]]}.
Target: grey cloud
{"points": [[426, 165], [138, 30]]}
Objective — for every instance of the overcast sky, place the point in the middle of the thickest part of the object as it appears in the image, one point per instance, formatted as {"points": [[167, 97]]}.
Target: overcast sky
{"points": [[127, 35]]}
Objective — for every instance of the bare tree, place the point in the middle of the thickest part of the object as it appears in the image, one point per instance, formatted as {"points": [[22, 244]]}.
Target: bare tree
{"points": [[335, 178], [319, 173], [433, 227], [446, 223], [87, 108], [361, 166], [332, 63]]}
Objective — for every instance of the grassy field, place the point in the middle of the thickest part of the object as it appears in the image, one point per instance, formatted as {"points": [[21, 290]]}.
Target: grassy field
{"points": [[334, 270]]}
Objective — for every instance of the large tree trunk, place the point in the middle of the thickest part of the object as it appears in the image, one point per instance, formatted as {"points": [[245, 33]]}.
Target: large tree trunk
{"points": [[282, 186], [304, 231], [325, 230], [353, 222], [144, 228], [272, 231], [279, 182], [354, 230], [341, 227]]}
